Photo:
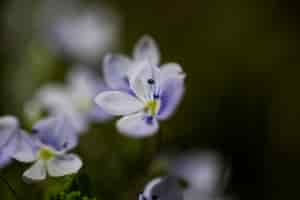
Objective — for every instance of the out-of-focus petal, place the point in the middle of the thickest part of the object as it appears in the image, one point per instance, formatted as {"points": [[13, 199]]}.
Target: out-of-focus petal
{"points": [[36, 172], [118, 103], [147, 49], [8, 127], [172, 91], [9, 130], [115, 69], [64, 165], [56, 132], [137, 126], [26, 148]]}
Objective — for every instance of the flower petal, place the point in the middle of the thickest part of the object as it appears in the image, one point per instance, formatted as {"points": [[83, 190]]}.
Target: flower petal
{"points": [[36, 172], [64, 165], [115, 68], [146, 48], [139, 80], [172, 91], [137, 126], [26, 148], [118, 103], [8, 126], [56, 132], [171, 70]]}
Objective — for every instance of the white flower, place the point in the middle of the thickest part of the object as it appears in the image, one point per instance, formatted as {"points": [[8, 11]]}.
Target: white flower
{"points": [[82, 32], [118, 68], [205, 173], [147, 93], [74, 100], [162, 188], [47, 149]]}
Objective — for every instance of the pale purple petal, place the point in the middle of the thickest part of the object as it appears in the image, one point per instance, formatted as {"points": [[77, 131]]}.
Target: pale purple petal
{"points": [[170, 96], [115, 69], [137, 125], [56, 132], [171, 70], [27, 148], [98, 115], [9, 130], [146, 49]]}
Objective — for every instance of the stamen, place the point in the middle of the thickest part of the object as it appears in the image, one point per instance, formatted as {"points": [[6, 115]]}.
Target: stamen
{"points": [[151, 81], [149, 120], [34, 131]]}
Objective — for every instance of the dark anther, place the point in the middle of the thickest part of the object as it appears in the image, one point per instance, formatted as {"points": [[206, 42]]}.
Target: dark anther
{"points": [[151, 81], [65, 145], [155, 197], [34, 131], [156, 96], [149, 120]]}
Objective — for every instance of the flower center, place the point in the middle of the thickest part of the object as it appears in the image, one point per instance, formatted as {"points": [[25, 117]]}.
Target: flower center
{"points": [[152, 107], [46, 153], [84, 104]]}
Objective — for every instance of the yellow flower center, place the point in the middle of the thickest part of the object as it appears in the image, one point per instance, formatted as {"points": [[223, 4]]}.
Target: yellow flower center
{"points": [[46, 153], [152, 107]]}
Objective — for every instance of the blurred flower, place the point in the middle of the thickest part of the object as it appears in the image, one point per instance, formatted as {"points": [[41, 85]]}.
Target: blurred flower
{"points": [[9, 135], [162, 188], [204, 173], [153, 92], [118, 68], [47, 148], [83, 32], [74, 100]]}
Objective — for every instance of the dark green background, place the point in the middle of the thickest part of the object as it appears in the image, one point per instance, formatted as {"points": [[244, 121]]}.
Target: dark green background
{"points": [[242, 93]]}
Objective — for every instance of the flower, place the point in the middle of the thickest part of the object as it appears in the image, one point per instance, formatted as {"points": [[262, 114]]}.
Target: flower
{"points": [[82, 32], [9, 135], [162, 188], [74, 100], [152, 94], [117, 68], [47, 148], [205, 174]]}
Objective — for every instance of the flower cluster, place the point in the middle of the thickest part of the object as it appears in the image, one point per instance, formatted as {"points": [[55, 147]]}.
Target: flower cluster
{"points": [[139, 89]]}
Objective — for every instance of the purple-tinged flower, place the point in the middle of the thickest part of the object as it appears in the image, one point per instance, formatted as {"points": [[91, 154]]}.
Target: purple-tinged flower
{"points": [[9, 135], [162, 188], [118, 68], [47, 148], [205, 173], [154, 95], [74, 100], [80, 31]]}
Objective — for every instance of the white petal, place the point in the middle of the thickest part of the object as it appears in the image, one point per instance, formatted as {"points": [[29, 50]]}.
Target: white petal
{"points": [[139, 80], [136, 126], [25, 151], [64, 165], [171, 70], [36, 172], [118, 103], [146, 48]]}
